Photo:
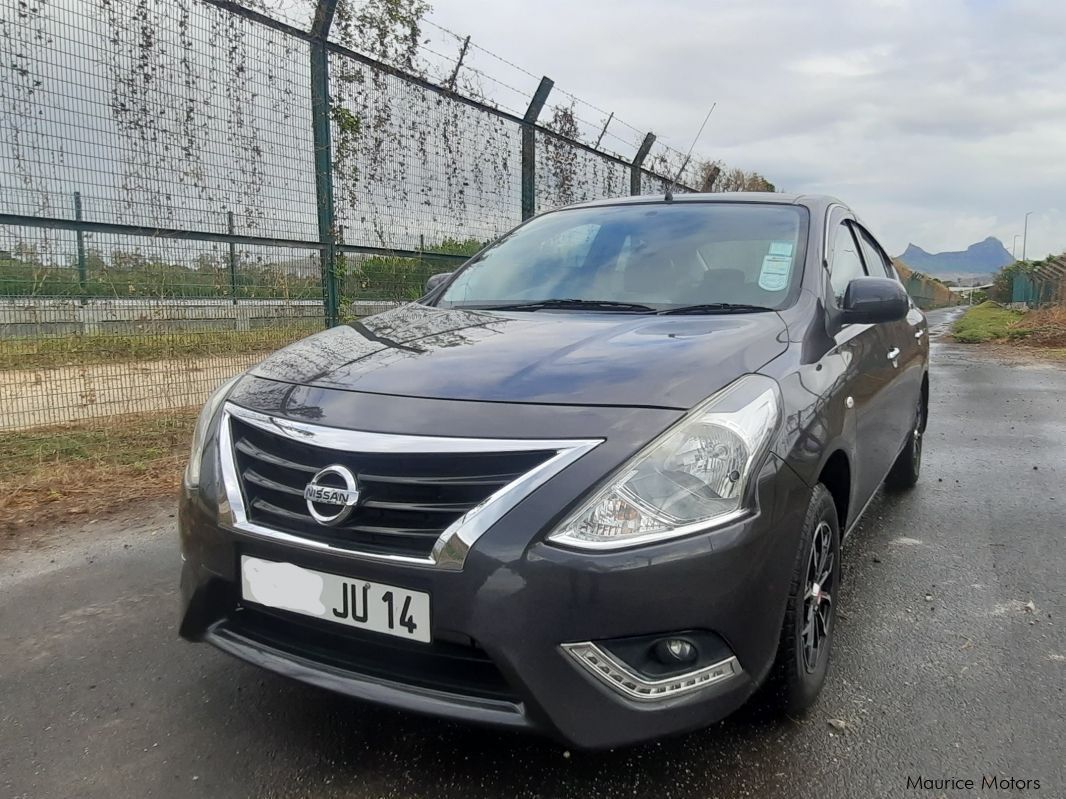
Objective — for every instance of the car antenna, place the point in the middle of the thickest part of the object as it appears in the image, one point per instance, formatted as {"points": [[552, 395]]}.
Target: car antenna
{"points": [[670, 189]]}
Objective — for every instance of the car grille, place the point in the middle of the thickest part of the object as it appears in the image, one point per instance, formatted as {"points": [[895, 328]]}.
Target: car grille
{"points": [[406, 499], [463, 670]]}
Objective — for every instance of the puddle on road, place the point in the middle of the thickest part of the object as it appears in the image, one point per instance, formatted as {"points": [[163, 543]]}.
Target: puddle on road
{"points": [[904, 541]]}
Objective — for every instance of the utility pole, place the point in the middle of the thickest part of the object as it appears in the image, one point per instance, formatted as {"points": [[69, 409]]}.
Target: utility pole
{"points": [[1025, 234], [1014, 247]]}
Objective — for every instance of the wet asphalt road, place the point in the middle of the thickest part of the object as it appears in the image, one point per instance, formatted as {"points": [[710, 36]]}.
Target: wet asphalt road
{"points": [[939, 669]]}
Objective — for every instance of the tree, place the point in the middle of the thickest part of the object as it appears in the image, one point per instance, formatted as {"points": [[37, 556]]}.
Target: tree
{"points": [[731, 179], [94, 261], [27, 252], [206, 262], [128, 261]]}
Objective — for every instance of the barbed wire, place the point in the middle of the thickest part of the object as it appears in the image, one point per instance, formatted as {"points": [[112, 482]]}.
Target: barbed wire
{"points": [[595, 132], [614, 118]]}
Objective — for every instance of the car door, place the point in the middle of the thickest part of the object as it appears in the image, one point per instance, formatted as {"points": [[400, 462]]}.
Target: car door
{"points": [[906, 347], [870, 373]]}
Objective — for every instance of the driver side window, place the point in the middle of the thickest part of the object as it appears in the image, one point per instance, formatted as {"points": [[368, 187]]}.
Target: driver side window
{"points": [[847, 265]]}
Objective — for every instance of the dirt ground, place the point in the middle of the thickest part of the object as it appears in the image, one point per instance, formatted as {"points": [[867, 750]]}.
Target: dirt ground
{"points": [[52, 503]]}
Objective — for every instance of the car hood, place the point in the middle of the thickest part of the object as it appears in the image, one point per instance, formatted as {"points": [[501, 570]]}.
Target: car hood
{"points": [[542, 357]]}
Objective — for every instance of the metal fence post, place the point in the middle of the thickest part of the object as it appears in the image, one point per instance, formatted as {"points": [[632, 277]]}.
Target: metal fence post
{"points": [[638, 162], [231, 229], [320, 121], [603, 132], [529, 149], [79, 235]]}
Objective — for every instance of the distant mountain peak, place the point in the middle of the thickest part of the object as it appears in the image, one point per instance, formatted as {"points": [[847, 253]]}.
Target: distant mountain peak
{"points": [[982, 258]]}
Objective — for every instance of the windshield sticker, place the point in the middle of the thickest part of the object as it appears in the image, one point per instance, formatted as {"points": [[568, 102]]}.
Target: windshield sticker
{"points": [[781, 248], [775, 271]]}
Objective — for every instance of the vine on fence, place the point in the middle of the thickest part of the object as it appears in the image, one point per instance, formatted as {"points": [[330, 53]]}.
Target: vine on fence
{"points": [[24, 94], [393, 139], [185, 111], [561, 155], [170, 142]]}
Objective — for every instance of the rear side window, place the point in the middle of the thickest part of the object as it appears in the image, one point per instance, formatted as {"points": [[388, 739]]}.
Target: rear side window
{"points": [[876, 262], [846, 262]]}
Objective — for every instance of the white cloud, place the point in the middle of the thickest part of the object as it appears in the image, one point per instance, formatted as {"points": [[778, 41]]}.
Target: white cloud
{"points": [[940, 122]]}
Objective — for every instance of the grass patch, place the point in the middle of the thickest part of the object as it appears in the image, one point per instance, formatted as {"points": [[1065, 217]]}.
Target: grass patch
{"points": [[49, 474], [132, 440], [987, 322], [38, 353]]}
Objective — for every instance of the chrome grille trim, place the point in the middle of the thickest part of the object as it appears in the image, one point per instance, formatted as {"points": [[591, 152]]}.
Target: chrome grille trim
{"points": [[451, 548]]}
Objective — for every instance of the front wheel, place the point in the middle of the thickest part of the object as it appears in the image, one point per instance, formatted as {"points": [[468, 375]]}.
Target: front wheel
{"points": [[908, 465], [802, 660]]}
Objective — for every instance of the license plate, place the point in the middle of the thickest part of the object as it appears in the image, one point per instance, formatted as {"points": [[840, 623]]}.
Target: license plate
{"points": [[344, 600]]}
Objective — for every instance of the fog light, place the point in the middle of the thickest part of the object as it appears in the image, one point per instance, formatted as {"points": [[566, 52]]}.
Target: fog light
{"points": [[675, 652], [620, 676]]}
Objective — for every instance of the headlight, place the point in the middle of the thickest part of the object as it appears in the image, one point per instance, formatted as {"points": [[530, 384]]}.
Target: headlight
{"points": [[202, 429], [692, 476]]}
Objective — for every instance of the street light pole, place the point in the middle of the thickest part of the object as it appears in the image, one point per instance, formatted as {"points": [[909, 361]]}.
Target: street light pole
{"points": [[1014, 248], [1025, 234]]}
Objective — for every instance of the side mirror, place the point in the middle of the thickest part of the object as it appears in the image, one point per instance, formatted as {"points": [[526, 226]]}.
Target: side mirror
{"points": [[869, 300], [436, 280]]}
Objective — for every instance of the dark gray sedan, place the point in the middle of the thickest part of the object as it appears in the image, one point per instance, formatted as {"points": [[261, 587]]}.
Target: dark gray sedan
{"points": [[594, 483]]}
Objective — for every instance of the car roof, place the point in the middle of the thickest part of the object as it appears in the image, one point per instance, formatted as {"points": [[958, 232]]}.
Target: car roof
{"points": [[812, 201]]}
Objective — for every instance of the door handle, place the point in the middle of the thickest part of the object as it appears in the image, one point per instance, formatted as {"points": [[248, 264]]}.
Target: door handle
{"points": [[893, 353], [918, 334]]}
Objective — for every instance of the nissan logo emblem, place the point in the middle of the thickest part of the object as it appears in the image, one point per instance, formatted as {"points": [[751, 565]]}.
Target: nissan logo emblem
{"points": [[332, 495]]}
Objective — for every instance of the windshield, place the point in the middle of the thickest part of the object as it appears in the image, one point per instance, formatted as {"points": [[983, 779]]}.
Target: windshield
{"points": [[662, 256]]}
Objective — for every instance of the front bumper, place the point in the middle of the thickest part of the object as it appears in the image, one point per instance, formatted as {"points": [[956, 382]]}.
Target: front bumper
{"points": [[499, 624]]}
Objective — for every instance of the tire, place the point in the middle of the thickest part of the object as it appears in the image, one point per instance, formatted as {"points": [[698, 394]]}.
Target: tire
{"points": [[908, 466], [800, 668]]}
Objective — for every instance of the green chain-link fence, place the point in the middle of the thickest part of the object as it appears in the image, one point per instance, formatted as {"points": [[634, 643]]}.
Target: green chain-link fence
{"points": [[927, 292], [1039, 283], [186, 185]]}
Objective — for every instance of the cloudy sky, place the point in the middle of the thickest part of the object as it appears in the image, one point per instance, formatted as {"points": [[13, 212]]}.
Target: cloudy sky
{"points": [[941, 121]]}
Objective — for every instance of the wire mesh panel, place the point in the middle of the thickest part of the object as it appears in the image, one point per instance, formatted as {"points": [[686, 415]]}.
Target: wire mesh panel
{"points": [[159, 113], [1039, 283], [152, 325], [373, 283], [651, 183], [416, 169], [567, 173], [187, 185]]}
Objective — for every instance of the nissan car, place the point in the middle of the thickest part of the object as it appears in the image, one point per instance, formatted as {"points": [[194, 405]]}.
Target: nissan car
{"points": [[593, 484]]}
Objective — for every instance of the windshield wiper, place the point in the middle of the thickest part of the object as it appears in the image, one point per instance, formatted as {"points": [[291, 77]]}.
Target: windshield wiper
{"points": [[716, 307], [578, 305]]}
